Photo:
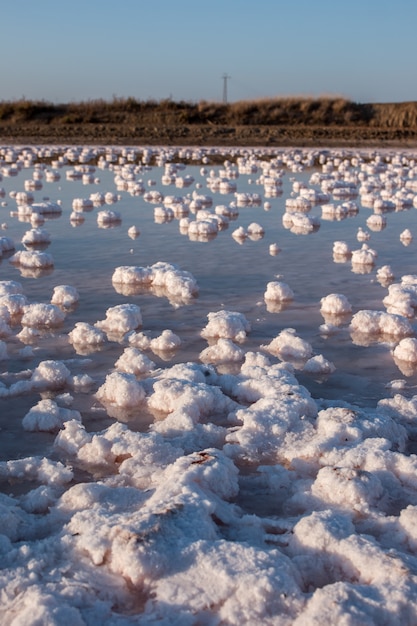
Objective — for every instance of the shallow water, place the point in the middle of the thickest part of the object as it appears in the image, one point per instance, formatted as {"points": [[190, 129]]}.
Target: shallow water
{"points": [[230, 275]]}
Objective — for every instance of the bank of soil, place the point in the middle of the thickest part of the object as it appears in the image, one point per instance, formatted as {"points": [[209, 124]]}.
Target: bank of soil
{"points": [[207, 135]]}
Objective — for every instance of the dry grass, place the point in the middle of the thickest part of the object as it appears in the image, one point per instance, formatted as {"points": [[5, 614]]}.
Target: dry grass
{"points": [[266, 112]]}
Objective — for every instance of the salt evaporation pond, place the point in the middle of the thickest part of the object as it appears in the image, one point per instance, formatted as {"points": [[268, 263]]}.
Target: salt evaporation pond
{"points": [[208, 409]]}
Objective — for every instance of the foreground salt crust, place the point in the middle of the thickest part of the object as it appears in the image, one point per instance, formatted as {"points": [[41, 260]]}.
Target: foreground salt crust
{"points": [[162, 526]]}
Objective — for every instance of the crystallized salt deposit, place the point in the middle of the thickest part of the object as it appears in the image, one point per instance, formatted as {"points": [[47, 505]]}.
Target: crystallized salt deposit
{"points": [[121, 389], [226, 325], [402, 297], [288, 345], [47, 416], [406, 350], [224, 498], [318, 365], [278, 291], [133, 361], [46, 208], [108, 217], [121, 319], [85, 334], [166, 342], [274, 249], [36, 236], [380, 323], [385, 274], [406, 235], [163, 278], [41, 315], [32, 259], [364, 256], [224, 351], [335, 304], [65, 295], [341, 248]]}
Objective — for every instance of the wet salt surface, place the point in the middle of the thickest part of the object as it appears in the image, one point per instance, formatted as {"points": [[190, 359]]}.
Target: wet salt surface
{"points": [[160, 476]]}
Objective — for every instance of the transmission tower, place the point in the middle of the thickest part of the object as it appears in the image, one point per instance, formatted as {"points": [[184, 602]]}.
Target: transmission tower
{"points": [[225, 79]]}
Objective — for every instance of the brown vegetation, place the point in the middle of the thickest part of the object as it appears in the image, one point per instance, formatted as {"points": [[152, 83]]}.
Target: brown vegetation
{"points": [[279, 121]]}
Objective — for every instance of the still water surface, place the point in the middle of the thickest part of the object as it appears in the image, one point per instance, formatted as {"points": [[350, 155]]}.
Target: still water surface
{"points": [[230, 275]]}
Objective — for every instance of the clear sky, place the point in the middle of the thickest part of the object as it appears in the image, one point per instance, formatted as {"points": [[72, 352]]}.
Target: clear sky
{"points": [[74, 50]]}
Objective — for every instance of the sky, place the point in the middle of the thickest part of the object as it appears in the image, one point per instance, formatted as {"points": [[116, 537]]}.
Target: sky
{"points": [[76, 50]]}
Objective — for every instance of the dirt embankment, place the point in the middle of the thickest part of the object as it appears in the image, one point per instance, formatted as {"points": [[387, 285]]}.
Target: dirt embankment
{"points": [[281, 122]]}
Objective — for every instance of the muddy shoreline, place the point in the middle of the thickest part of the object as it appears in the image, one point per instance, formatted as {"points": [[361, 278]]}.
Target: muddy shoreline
{"points": [[207, 135]]}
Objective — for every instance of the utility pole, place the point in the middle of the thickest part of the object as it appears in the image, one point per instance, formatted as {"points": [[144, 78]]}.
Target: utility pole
{"points": [[225, 79]]}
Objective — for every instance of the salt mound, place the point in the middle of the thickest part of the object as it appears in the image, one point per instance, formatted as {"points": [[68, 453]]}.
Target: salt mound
{"points": [[133, 361], [121, 319], [166, 341], [364, 256], [36, 236], [32, 259], [46, 208], [335, 304], [402, 297], [10, 287], [341, 249], [380, 323], [85, 334], [172, 281], [319, 365], [40, 315], [278, 291], [65, 295], [226, 325], [406, 350], [288, 345], [224, 351], [48, 416], [108, 217], [122, 390]]}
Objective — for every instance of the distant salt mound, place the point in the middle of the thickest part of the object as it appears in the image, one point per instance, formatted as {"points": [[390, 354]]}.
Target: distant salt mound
{"points": [[335, 304], [108, 218], [341, 250], [385, 275], [163, 279], [278, 291], [402, 297], [121, 319], [36, 236], [300, 223], [6, 245], [47, 416], [46, 208], [32, 259], [364, 256], [41, 315], [406, 350], [226, 325], [65, 296], [376, 323]]}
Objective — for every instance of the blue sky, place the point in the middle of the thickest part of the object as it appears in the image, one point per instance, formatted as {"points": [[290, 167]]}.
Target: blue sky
{"points": [[73, 50]]}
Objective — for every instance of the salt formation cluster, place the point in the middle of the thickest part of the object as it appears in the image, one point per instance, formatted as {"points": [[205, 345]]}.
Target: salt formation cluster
{"points": [[188, 461]]}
